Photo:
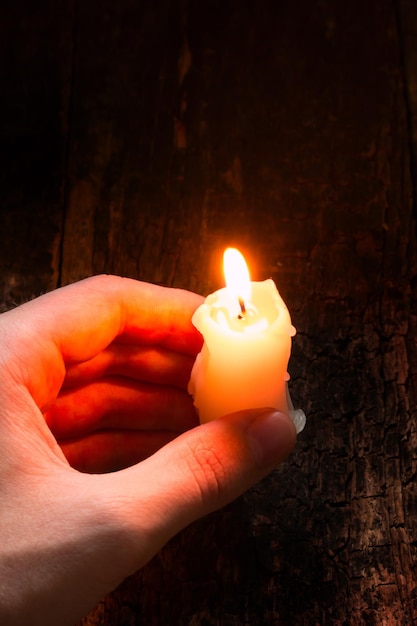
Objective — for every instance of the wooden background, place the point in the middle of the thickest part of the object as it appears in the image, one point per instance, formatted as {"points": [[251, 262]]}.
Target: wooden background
{"points": [[141, 137]]}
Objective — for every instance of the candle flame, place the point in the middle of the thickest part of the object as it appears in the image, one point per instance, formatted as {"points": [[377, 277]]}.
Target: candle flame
{"points": [[236, 274]]}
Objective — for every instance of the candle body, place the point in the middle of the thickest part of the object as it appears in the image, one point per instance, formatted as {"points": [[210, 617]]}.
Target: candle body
{"points": [[244, 359]]}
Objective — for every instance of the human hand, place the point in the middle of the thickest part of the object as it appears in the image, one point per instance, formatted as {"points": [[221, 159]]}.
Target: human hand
{"points": [[123, 401], [84, 362]]}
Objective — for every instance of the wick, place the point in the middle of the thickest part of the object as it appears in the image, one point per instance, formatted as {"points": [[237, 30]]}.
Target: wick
{"points": [[242, 308]]}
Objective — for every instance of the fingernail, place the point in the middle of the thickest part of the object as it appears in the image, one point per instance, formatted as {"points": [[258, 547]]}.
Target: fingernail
{"points": [[272, 435]]}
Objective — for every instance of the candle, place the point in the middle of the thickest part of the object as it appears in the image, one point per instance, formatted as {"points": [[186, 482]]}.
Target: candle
{"points": [[247, 334]]}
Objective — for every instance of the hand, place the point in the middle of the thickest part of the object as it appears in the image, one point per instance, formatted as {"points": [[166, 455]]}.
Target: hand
{"points": [[127, 396], [103, 365]]}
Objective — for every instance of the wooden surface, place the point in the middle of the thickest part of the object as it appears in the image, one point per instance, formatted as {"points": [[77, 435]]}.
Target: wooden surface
{"points": [[141, 138]]}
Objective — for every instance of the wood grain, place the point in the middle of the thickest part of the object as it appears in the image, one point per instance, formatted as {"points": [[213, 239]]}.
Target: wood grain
{"points": [[35, 70], [288, 129]]}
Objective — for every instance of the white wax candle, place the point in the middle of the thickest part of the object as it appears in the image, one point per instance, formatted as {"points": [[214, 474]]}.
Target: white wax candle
{"points": [[247, 334]]}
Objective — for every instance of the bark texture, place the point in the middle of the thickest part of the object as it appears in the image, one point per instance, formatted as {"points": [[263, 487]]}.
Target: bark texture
{"points": [[142, 138]]}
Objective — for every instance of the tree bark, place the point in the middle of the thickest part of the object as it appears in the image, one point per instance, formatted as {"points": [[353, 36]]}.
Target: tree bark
{"points": [[145, 137]]}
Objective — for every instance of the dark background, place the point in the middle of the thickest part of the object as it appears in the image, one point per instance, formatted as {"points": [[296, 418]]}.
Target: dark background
{"points": [[142, 138]]}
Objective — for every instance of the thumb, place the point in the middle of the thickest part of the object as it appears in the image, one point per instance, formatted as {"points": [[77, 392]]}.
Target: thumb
{"points": [[199, 472]]}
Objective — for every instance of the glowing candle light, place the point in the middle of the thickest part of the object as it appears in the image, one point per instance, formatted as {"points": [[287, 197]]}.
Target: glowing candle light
{"points": [[247, 334]]}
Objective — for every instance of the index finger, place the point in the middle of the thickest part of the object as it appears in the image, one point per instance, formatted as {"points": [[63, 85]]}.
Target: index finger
{"points": [[76, 322]]}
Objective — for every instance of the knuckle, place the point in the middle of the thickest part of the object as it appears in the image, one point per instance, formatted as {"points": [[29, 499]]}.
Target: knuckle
{"points": [[208, 471]]}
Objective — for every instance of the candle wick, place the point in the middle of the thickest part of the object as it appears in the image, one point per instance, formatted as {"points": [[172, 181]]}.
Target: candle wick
{"points": [[242, 308]]}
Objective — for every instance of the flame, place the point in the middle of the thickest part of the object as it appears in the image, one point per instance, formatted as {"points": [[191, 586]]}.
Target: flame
{"points": [[236, 274]]}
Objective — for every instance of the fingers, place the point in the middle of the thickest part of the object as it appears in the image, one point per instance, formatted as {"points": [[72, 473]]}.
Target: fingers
{"points": [[73, 324], [150, 364], [85, 316], [122, 404], [198, 472], [108, 451]]}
